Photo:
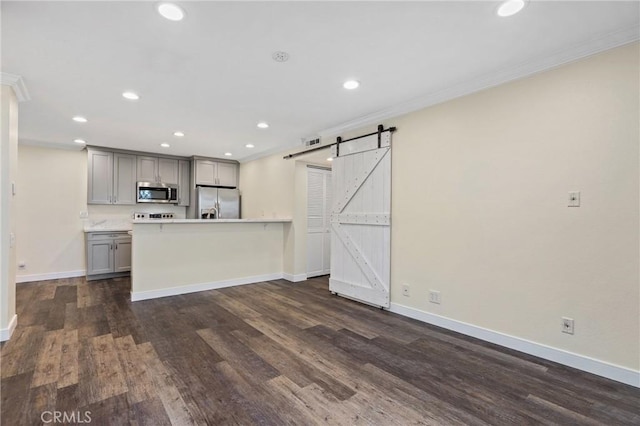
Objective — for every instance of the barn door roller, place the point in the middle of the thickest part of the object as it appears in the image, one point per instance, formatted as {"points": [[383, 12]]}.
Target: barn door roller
{"points": [[339, 140]]}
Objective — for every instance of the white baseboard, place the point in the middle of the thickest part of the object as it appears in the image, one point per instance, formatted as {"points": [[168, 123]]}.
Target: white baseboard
{"points": [[580, 362], [294, 278], [50, 276], [193, 288], [5, 333]]}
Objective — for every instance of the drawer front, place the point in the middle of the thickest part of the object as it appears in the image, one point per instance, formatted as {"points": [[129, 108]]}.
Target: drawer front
{"points": [[97, 236]]}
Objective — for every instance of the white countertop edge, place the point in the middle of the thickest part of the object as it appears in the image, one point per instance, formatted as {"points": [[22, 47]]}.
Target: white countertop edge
{"points": [[207, 221], [107, 228]]}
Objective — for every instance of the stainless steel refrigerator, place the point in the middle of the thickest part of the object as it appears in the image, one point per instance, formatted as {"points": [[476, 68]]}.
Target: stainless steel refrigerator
{"points": [[217, 203]]}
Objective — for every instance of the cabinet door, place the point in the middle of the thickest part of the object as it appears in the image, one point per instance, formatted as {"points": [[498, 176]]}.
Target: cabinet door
{"points": [[147, 169], [228, 174], [99, 257], [168, 170], [124, 179], [206, 172], [122, 254], [100, 177], [184, 187]]}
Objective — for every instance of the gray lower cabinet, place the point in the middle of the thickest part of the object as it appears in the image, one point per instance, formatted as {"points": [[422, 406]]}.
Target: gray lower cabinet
{"points": [[108, 254]]}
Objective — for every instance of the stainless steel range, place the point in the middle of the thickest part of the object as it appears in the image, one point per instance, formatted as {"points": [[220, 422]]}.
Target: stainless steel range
{"points": [[144, 216]]}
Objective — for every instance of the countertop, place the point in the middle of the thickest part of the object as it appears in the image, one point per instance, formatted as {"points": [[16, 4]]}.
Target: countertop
{"points": [[108, 226], [127, 225], [208, 221]]}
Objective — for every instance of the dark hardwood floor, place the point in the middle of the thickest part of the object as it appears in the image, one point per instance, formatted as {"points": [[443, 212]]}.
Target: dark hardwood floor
{"points": [[274, 353]]}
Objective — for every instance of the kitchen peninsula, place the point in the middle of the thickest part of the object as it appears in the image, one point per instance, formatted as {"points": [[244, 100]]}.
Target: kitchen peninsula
{"points": [[179, 256]]}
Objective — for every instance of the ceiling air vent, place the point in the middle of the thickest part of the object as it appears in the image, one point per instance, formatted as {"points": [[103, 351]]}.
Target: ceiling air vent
{"points": [[311, 142]]}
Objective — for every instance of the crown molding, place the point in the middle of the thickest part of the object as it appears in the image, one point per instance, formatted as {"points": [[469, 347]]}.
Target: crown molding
{"points": [[69, 146], [18, 85], [579, 51]]}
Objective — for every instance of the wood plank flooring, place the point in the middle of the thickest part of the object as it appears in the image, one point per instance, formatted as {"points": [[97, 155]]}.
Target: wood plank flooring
{"points": [[274, 353]]}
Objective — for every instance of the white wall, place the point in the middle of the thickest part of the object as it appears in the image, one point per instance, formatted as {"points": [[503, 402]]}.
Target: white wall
{"points": [[275, 187], [52, 192], [8, 210], [179, 258], [479, 208]]}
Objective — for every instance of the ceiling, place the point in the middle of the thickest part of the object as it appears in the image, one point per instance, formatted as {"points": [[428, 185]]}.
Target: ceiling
{"points": [[212, 76]]}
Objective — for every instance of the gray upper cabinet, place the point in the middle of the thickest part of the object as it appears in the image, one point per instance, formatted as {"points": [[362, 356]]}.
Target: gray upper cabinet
{"points": [[111, 178], [206, 172], [215, 173], [228, 174], [124, 179], [184, 189], [168, 170], [148, 169], [100, 178], [155, 169]]}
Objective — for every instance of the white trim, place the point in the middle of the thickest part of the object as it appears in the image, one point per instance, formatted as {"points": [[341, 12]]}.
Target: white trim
{"points": [[69, 146], [5, 333], [50, 276], [18, 85], [193, 288], [581, 362], [579, 51], [294, 278]]}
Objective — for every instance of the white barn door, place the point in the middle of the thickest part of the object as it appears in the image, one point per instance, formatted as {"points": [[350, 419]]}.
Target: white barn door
{"points": [[318, 222], [361, 219]]}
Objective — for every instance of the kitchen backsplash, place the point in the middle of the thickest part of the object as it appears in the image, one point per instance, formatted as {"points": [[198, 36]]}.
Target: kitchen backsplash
{"points": [[115, 213]]}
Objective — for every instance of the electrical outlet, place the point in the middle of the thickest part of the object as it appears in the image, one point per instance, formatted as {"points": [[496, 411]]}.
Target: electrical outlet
{"points": [[434, 297], [22, 265], [405, 290], [567, 325], [574, 199], [84, 214]]}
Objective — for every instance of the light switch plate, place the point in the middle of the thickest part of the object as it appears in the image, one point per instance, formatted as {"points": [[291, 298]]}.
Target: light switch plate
{"points": [[574, 199]]}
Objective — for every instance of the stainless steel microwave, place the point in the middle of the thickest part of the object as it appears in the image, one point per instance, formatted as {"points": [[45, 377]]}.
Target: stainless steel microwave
{"points": [[153, 192]]}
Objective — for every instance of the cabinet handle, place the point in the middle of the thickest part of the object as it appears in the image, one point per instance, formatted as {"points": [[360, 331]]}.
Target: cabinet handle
{"points": [[116, 246]]}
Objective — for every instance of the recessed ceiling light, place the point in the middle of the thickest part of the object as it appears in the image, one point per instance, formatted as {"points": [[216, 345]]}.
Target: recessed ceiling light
{"points": [[263, 125], [351, 84], [330, 159], [250, 145], [178, 134], [171, 11], [79, 119], [510, 7], [132, 96], [165, 145], [228, 154], [80, 141], [280, 56]]}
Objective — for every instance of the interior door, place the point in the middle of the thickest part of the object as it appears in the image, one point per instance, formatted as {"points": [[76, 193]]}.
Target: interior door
{"points": [[318, 222], [361, 220]]}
